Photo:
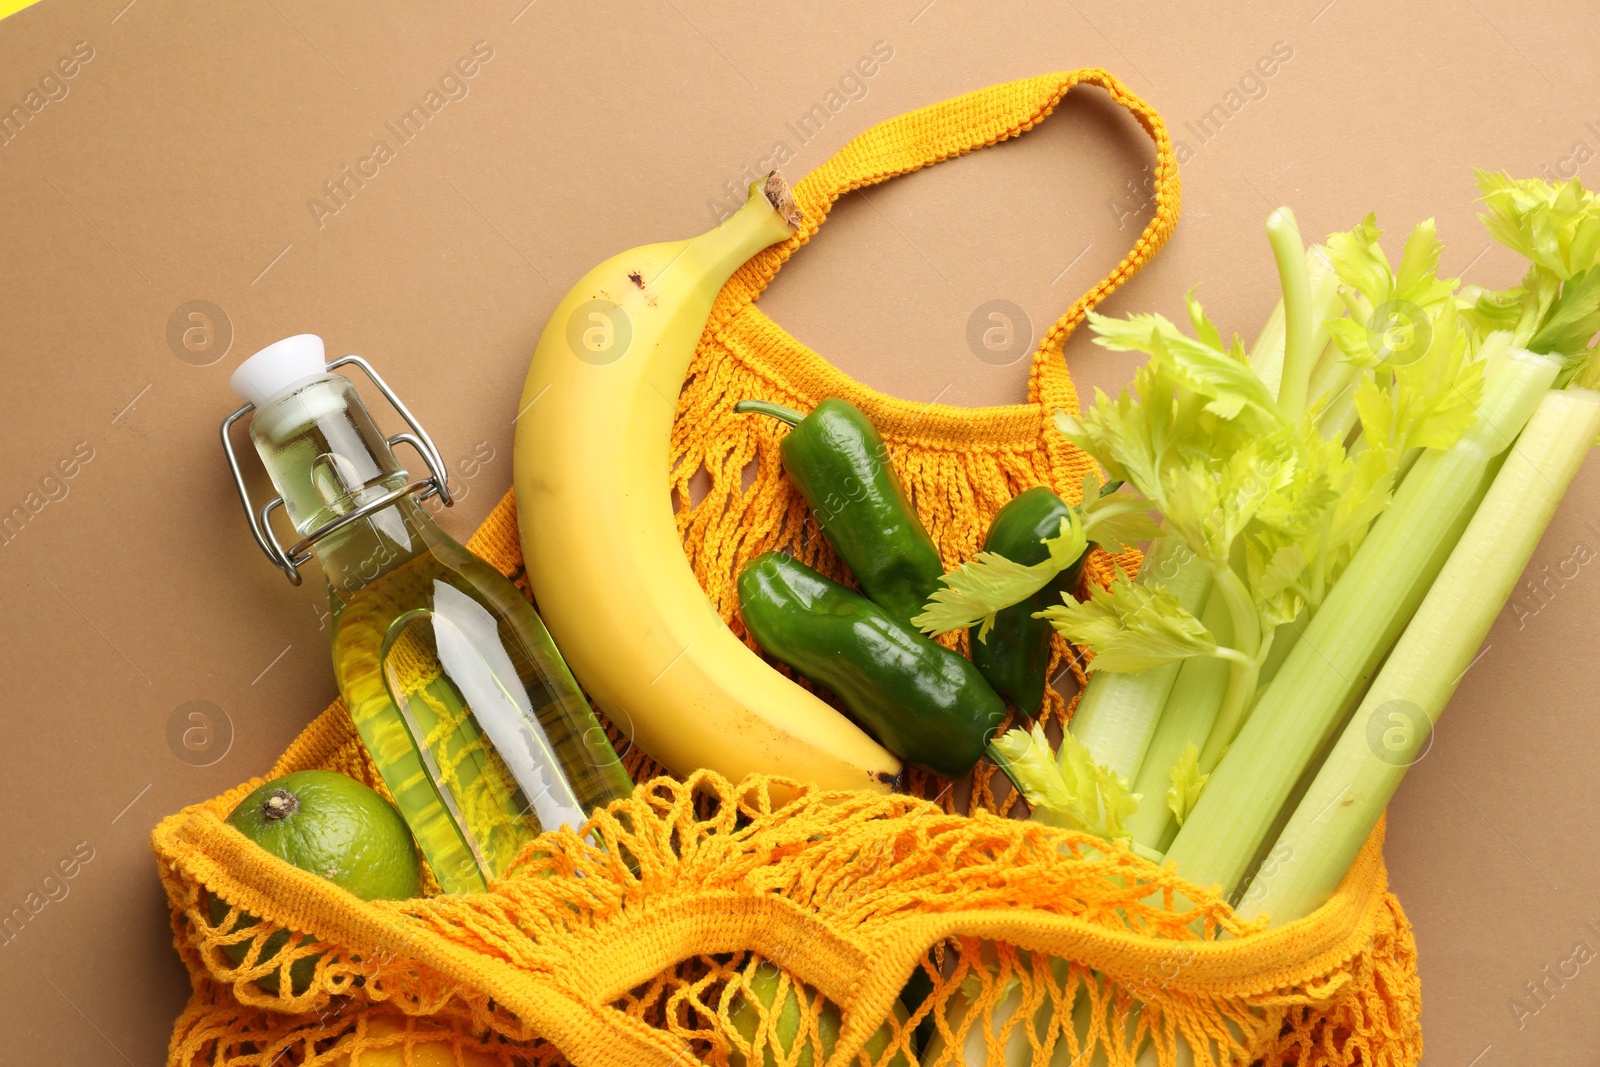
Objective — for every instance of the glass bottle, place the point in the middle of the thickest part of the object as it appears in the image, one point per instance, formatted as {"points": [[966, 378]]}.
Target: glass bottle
{"points": [[477, 727]]}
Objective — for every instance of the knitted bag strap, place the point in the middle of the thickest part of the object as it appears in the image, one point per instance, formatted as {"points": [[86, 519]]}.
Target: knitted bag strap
{"points": [[951, 128]]}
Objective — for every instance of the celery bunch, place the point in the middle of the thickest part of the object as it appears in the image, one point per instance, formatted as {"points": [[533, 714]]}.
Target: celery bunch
{"points": [[1310, 491], [1343, 510]]}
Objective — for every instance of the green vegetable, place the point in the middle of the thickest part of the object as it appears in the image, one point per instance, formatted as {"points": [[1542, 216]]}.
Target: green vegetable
{"points": [[1186, 723], [1392, 724], [1031, 559], [841, 466], [1134, 627], [1067, 788], [1401, 493], [1262, 503], [1556, 309], [1295, 278], [1187, 782], [1272, 511], [1268, 353], [926, 704], [1342, 645], [1012, 650], [1118, 715], [1040, 525], [975, 593], [1269, 508]]}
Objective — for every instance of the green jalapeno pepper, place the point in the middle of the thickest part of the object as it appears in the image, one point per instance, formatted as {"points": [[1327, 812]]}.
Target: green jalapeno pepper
{"points": [[1016, 653], [836, 459], [926, 704]]}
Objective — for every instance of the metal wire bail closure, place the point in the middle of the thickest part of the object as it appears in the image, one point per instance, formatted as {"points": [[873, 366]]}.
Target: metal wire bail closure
{"points": [[289, 560]]}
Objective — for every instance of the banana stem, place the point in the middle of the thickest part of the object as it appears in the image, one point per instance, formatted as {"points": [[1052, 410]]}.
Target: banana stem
{"points": [[785, 415]]}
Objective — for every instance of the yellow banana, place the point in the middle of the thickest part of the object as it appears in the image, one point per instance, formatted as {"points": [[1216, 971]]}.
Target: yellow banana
{"points": [[604, 559]]}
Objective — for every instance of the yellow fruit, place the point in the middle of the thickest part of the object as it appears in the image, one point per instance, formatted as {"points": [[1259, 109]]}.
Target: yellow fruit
{"points": [[604, 558]]}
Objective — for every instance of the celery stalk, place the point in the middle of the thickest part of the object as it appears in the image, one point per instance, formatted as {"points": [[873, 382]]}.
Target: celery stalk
{"points": [[1117, 713], [1283, 233], [1247, 650], [1334, 383], [1341, 646], [1384, 738], [1187, 720], [1340, 416], [1267, 353], [1284, 638], [1333, 373]]}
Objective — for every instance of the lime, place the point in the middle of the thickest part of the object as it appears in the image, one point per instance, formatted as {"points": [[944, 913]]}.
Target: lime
{"points": [[333, 826], [430, 1045], [784, 1028]]}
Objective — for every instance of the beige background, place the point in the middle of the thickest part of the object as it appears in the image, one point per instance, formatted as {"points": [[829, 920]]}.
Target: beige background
{"points": [[179, 167]]}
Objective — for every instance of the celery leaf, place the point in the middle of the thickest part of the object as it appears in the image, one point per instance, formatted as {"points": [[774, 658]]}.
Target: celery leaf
{"points": [[1390, 312], [1187, 783], [1131, 627], [1489, 310], [1222, 376], [1204, 328], [1365, 485], [1116, 521], [1574, 318], [1068, 790], [1358, 259], [1419, 263], [1555, 227], [974, 592]]}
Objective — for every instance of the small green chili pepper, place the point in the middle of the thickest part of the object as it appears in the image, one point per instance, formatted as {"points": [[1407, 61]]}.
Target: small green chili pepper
{"points": [[841, 466], [926, 704], [1016, 654]]}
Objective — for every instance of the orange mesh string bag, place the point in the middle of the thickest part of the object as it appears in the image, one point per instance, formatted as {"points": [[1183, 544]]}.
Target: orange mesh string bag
{"points": [[702, 921]]}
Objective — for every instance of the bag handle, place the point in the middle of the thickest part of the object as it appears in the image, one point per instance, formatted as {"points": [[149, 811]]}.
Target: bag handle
{"points": [[952, 128]]}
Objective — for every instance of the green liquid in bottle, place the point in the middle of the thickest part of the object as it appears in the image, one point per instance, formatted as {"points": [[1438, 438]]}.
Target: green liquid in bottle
{"points": [[472, 719]]}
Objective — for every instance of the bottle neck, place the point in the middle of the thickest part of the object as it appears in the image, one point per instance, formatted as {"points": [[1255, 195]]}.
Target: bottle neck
{"points": [[369, 548], [327, 458]]}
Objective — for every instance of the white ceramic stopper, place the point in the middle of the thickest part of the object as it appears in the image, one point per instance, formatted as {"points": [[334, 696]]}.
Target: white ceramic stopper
{"points": [[278, 368]]}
